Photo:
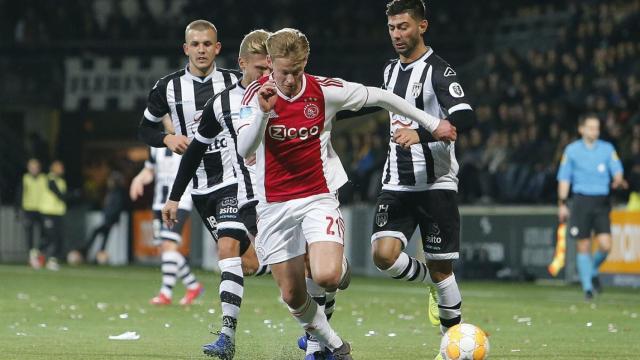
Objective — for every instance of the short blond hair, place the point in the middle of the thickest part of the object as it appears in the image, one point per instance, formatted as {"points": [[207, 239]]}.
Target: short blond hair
{"points": [[254, 42], [199, 25], [289, 43]]}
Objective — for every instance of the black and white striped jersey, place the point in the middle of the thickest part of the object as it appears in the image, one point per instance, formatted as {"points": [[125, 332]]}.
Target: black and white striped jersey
{"points": [[165, 164], [183, 96], [222, 114], [431, 85]]}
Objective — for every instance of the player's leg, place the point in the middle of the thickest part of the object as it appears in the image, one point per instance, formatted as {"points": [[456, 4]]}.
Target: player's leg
{"points": [[30, 223], [580, 226], [249, 219], [393, 226], [440, 233], [602, 228], [55, 248], [188, 278], [233, 242], [323, 229]]}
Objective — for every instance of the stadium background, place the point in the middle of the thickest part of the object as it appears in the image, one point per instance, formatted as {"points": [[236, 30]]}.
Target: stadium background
{"points": [[75, 76]]}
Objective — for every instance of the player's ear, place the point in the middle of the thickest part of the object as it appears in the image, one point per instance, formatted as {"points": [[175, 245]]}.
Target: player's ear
{"points": [[241, 63], [269, 62], [423, 25], [218, 47], [185, 47]]}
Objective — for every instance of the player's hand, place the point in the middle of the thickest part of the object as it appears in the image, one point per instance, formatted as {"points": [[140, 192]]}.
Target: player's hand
{"points": [[136, 189], [177, 143], [170, 213], [251, 160], [619, 183], [406, 137], [445, 131], [563, 213], [267, 96]]}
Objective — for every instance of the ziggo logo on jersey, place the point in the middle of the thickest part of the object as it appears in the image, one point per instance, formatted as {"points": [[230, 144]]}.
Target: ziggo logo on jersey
{"points": [[281, 132]]}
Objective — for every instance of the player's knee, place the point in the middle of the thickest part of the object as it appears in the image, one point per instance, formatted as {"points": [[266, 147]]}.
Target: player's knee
{"points": [[228, 247], [249, 265], [294, 299], [327, 279], [383, 260], [168, 245]]}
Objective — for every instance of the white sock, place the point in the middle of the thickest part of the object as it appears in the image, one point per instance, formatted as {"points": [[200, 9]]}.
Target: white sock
{"points": [[231, 291], [169, 269], [409, 268], [185, 274], [314, 321], [449, 303]]}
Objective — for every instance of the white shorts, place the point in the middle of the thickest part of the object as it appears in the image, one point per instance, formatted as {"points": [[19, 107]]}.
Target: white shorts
{"points": [[285, 228]]}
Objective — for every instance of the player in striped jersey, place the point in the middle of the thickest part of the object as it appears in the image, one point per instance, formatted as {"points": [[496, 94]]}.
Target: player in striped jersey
{"points": [[419, 183], [162, 167], [288, 117], [183, 95], [218, 117]]}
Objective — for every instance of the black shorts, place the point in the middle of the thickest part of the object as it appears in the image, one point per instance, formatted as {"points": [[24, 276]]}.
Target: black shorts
{"points": [[435, 211], [589, 213], [249, 217], [162, 232], [219, 212]]}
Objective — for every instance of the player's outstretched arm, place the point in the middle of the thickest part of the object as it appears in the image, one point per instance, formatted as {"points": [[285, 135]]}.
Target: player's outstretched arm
{"points": [[441, 129], [144, 177], [188, 166]]}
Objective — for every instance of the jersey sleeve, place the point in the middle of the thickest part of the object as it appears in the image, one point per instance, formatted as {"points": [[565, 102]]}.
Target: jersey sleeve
{"points": [[344, 95], [566, 167], [157, 105], [209, 126], [615, 165], [447, 88], [248, 107]]}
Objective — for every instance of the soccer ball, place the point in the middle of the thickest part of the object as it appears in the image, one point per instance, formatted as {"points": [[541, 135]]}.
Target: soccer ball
{"points": [[74, 258], [464, 342]]}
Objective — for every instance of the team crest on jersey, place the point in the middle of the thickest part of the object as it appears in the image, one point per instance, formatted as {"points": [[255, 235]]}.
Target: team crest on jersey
{"points": [[416, 89], [311, 111], [455, 90]]}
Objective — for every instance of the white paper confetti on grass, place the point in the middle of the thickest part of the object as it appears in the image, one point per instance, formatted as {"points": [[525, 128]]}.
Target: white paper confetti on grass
{"points": [[391, 334], [21, 334], [589, 324], [102, 306], [124, 316], [211, 311], [43, 325], [612, 328], [167, 325], [129, 335], [23, 296]]}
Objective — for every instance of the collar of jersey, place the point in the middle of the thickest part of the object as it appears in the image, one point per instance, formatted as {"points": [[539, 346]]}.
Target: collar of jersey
{"points": [[295, 97], [189, 75], [421, 58]]}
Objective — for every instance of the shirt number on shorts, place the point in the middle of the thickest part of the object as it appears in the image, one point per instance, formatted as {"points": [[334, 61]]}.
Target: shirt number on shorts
{"points": [[338, 224]]}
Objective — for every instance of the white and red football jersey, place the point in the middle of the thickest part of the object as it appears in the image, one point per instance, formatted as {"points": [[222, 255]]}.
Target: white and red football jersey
{"points": [[295, 158]]}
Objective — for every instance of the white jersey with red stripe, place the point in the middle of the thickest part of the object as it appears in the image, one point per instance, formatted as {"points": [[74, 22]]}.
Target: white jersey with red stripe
{"points": [[295, 158]]}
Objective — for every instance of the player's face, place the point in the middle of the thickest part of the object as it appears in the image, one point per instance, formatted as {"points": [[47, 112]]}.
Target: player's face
{"points": [[590, 130], [33, 166], [406, 33], [254, 66], [201, 47], [288, 75]]}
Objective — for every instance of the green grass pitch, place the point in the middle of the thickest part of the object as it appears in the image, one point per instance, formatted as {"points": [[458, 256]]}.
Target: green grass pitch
{"points": [[70, 314]]}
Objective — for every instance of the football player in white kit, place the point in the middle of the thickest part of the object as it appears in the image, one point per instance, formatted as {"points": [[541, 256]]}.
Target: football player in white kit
{"points": [[162, 167], [288, 119]]}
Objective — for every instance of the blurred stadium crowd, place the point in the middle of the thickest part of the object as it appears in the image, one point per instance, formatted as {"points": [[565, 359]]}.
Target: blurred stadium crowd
{"points": [[531, 67]]}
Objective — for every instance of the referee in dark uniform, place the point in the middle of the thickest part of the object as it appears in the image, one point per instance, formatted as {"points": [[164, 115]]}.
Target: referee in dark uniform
{"points": [[589, 167]]}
